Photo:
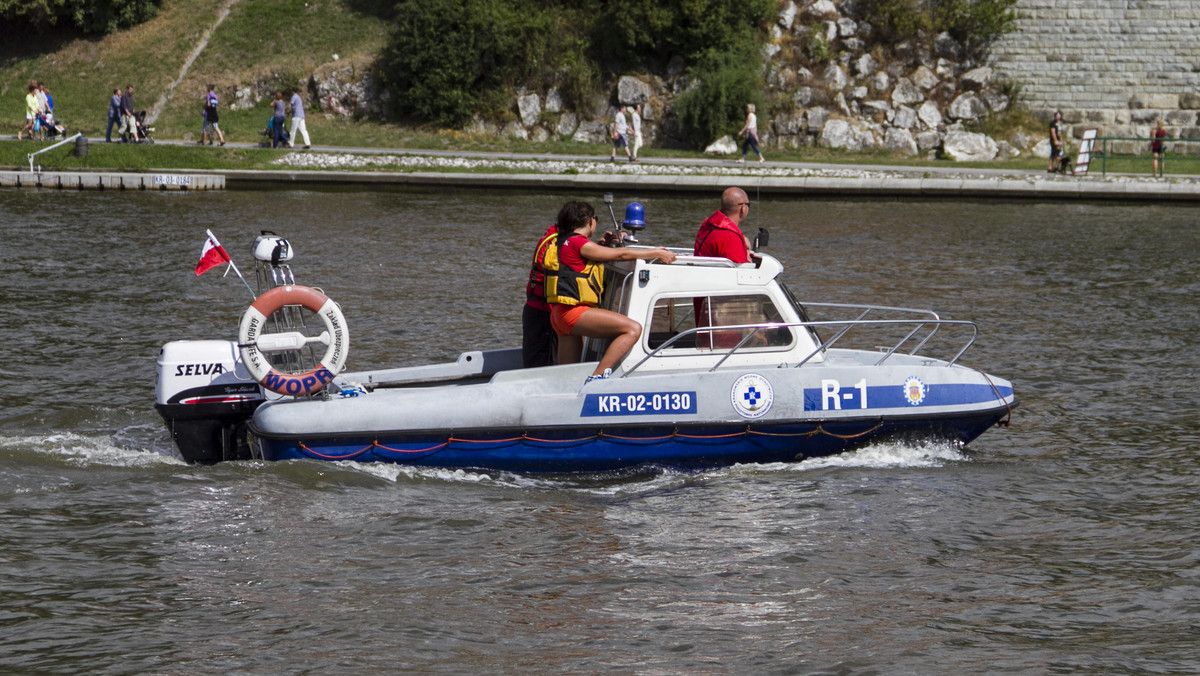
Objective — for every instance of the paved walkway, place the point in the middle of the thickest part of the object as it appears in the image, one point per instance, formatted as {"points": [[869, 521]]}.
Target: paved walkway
{"points": [[348, 166]]}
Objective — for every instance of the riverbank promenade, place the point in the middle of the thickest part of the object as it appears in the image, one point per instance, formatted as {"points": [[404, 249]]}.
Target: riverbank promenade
{"points": [[342, 166]]}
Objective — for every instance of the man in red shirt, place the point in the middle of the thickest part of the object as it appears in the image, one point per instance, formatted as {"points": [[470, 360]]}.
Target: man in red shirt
{"points": [[720, 235]]}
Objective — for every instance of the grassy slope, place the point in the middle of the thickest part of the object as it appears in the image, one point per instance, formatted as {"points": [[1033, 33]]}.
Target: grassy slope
{"points": [[269, 41], [275, 41], [278, 42], [82, 73]]}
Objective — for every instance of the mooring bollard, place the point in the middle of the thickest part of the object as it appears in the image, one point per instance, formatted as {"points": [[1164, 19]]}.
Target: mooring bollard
{"points": [[81, 146]]}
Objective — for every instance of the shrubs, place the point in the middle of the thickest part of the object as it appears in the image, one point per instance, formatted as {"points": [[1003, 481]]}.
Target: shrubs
{"points": [[721, 83], [88, 16], [636, 31], [719, 41], [973, 23], [451, 59]]}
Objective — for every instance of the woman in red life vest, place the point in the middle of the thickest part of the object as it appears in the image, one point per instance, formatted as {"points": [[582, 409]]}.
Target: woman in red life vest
{"points": [[574, 290]]}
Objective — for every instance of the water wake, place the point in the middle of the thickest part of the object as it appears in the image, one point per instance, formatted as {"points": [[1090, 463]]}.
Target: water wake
{"points": [[84, 450]]}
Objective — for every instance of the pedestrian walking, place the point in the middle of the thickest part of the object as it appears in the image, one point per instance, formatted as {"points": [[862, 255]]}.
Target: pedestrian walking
{"points": [[619, 132], [636, 118], [1058, 158], [211, 128], [296, 106], [128, 128], [114, 113], [750, 129], [31, 111], [278, 106], [1156, 149]]}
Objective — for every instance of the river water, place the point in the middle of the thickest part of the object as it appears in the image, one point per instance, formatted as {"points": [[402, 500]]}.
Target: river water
{"points": [[1066, 544]]}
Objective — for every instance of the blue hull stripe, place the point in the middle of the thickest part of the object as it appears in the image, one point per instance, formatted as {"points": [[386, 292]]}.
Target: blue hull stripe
{"points": [[893, 396]]}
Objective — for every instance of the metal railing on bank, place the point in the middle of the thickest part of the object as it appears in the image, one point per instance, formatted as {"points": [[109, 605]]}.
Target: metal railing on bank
{"points": [[1137, 148]]}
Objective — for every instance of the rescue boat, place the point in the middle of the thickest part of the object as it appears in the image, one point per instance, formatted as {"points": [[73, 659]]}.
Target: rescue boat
{"points": [[762, 378]]}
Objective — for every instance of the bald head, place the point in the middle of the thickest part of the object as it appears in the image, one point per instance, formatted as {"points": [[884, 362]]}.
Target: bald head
{"points": [[732, 202]]}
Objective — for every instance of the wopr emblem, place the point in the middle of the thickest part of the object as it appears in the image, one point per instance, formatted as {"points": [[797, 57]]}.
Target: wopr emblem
{"points": [[751, 396], [914, 391]]}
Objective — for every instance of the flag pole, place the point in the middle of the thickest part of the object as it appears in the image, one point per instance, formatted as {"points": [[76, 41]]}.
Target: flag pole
{"points": [[239, 274], [231, 263]]}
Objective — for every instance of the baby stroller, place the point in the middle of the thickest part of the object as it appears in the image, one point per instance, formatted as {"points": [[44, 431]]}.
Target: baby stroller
{"points": [[49, 128], [144, 134], [269, 134]]}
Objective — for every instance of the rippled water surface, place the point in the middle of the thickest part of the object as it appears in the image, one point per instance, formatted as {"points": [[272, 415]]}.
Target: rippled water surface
{"points": [[1065, 544]]}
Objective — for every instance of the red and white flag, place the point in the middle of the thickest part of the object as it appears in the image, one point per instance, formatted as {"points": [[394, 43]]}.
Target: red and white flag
{"points": [[212, 256]]}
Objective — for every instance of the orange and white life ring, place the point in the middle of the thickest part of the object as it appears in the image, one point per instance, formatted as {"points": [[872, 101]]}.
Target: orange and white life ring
{"points": [[254, 342]]}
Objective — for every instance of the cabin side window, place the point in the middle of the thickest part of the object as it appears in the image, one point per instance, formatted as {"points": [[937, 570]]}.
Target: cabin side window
{"points": [[675, 316]]}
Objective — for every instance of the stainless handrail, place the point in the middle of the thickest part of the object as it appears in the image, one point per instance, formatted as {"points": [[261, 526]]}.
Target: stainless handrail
{"points": [[886, 308], [846, 323]]}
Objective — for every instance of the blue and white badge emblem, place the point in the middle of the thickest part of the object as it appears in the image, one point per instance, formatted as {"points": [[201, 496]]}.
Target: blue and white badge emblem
{"points": [[751, 396], [914, 391]]}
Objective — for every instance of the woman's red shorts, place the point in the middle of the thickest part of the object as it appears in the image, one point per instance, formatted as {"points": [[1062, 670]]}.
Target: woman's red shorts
{"points": [[564, 317]]}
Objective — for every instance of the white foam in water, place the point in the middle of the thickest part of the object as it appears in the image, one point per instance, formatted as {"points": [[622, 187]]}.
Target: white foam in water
{"points": [[101, 450], [879, 455], [891, 454], [393, 472], [88, 450]]}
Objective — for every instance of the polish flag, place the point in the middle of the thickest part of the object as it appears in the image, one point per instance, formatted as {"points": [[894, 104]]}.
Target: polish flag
{"points": [[212, 256]]}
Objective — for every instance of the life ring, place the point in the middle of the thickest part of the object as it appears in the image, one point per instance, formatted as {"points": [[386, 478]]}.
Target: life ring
{"points": [[336, 338]]}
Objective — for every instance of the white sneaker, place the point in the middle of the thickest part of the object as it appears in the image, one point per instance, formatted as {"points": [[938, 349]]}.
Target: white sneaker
{"points": [[602, 376]]}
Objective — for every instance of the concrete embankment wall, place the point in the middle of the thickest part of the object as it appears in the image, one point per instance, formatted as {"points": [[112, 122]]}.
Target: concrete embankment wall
{"points": [[74, 180], [1120, 65]]}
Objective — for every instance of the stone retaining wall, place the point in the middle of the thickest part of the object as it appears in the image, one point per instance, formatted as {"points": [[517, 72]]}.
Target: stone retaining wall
{"points": [[1120, 65]]}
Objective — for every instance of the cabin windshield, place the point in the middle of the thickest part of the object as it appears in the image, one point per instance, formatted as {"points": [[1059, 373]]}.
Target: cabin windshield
{"points": [[675, 315]]}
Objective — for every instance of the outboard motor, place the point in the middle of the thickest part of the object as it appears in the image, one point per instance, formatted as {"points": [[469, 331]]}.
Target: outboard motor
{"points": [[203, 392], [206, 398]]}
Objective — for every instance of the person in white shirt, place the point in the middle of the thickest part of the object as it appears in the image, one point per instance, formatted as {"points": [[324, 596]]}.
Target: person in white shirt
{"points": [[637, 131], [620, 129], [750, 129], [296, 106]]}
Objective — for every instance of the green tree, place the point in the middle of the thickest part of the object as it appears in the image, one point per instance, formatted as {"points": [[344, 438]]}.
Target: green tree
{"points": [[974, 23], [449, 59], [630, 31], [88, 16], [721, 83], [719, 41]]}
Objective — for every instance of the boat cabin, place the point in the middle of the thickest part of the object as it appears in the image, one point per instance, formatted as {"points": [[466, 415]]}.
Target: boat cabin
{"points": [[675, 303]]}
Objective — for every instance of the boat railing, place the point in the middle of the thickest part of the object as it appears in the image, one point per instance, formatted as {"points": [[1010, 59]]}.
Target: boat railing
{"points": [[867, 309], [930, 325]]}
